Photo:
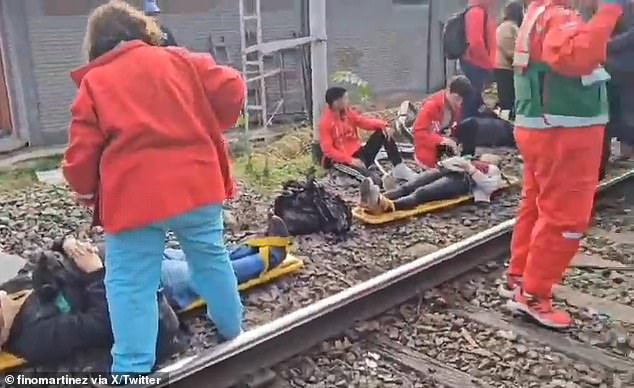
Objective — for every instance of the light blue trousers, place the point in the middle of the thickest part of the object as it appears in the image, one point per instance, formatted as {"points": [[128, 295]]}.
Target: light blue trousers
{"points": [[133, 274]]}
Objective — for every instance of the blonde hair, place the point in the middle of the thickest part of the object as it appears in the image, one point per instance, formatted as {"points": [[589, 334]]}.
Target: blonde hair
{"points": [[116, 22]]}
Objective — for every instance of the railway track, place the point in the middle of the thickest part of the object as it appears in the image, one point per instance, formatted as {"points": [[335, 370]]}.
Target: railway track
{"points": [[408, 342]]}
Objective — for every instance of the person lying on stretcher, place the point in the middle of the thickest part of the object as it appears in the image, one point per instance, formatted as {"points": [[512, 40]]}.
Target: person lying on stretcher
{"points": [[52, 313], [454, 177]]}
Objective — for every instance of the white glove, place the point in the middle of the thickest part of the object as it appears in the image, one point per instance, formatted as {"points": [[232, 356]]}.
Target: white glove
{"points": [[456, 163]]}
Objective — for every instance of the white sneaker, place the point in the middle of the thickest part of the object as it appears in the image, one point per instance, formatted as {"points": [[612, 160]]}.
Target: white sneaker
{"points": [[403, 172]]}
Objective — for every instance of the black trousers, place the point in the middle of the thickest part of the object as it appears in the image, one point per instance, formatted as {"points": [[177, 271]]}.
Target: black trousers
{"points": [[367, 154], [481, 132], [375, 142], [431, 185], [605, 156], [506, 90]]}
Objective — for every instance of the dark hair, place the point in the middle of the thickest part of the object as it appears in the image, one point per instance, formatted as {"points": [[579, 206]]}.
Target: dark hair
{"points": [[461, 86], [333, 94], [514, 12]]}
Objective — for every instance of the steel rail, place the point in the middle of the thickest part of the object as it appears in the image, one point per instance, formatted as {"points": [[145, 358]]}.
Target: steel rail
{"points": [[229, 363]]}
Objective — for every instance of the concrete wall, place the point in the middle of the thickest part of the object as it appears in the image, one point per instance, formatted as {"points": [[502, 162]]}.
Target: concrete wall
{"points": [[383, 41], [56, 42], [386, 42]]}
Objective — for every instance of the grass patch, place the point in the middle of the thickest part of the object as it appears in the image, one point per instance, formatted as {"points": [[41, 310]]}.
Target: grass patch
{"points": [[289, 158], [267, 175], [23, 173]]}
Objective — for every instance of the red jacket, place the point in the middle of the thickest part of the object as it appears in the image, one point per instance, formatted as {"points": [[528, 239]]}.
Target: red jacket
{"points": [[478, 53], [146, 133], [338, 134], [434, 114], [578, 48]]}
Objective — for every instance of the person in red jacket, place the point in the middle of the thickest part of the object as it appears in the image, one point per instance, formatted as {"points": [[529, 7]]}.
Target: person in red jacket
{"points": [[339, 139], [437, 122], [478, 61], [147, 150]]}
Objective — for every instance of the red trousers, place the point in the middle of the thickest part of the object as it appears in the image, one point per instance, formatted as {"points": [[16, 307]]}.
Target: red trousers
{"points": [[560, 176]]}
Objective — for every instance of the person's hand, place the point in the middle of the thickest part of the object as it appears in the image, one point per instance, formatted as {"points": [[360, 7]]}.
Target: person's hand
{"points": [[358, 163], [449, 142], [84, 255]]}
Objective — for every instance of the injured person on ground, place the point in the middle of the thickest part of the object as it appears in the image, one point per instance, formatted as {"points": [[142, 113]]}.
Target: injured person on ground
{"points": [[454, 177], [57, 307], [339, 138]]}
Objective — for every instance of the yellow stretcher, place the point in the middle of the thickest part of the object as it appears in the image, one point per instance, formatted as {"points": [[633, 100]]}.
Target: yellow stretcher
{"points": [[379, 219], [291, 264]]}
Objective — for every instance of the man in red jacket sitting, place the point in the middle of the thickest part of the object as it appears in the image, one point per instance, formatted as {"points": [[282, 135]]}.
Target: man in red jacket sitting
{"points": [[437, 124], [339, 138]]}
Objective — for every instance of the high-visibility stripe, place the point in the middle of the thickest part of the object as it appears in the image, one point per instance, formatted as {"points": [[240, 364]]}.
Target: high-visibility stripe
{"points": [[521, 57], [557, 121]]}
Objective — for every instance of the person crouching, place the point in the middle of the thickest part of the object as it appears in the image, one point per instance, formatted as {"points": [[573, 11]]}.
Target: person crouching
{"points": [[146, 150]]}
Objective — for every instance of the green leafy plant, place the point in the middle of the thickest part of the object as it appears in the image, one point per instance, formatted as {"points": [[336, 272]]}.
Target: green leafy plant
{"points": [[346, 77], [241, 123]]}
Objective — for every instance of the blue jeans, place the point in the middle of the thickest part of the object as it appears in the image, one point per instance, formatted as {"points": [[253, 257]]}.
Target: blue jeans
{"points": [[133, 274], [479, 77], [175, 277]]}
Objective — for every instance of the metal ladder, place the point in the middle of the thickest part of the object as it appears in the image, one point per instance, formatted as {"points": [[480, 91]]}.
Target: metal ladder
{"points": [[253, 61]]}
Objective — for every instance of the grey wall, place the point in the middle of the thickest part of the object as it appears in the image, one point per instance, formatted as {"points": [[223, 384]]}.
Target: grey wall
{"points": [[384, 42]]}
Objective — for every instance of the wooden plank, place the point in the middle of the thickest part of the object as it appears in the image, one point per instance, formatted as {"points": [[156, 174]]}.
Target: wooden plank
{"points": [[427, 366], [555, 340], [620, 238], [582, 260], [616, 311], [278, 45]]}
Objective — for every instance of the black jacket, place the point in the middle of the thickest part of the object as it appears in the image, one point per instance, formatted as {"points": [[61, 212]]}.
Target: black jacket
{"points": [[42, 334], [620, 65]]}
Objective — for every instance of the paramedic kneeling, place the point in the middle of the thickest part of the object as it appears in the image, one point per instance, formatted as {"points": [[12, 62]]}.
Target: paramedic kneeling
{"points": [[339, 139], [454, 177], [436, 124]]}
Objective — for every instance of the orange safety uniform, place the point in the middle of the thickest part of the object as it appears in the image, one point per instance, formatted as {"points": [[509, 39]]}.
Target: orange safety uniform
{"points": [[561, 115]]}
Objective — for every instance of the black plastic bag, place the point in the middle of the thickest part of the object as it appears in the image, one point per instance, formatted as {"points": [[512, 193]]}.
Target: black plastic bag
{"points": [[308, 208]]}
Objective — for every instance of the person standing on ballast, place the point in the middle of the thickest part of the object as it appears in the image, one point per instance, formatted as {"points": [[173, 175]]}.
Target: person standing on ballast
{"points": [[478, 62], [561, 113]]}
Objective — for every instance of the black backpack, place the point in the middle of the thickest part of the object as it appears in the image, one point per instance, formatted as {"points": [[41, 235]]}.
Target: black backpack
{"points": [[454, 35], [308, 208]]}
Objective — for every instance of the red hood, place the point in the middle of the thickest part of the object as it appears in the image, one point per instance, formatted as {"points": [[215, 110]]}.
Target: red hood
{"points": [[78, 74]]}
